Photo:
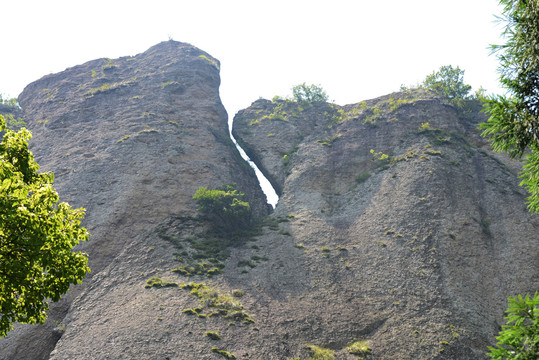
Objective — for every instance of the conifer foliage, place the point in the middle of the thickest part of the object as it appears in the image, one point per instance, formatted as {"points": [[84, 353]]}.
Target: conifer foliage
{"points": [[513, 126], [519, 338]]}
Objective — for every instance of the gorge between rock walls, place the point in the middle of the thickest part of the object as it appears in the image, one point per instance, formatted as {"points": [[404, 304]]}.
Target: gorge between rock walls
{"points": [[265, 185]]}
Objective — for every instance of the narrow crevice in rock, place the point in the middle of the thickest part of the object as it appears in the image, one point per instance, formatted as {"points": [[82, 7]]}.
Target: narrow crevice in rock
{"points": [[265, 184]]}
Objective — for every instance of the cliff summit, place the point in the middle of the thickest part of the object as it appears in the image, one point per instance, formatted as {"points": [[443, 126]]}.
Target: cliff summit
{"points": [[398, 233]]}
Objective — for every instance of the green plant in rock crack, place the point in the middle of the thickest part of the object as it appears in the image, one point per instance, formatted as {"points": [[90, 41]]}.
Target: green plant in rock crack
{"points": [[213, 335], [226, 218], [320, 353], [394, 104], [360, 348], [212, 62], [218, 303], [225, 207], [325, 250], [109, 64], [373, 114], [329, 140], [227, 355], [156, 282]]}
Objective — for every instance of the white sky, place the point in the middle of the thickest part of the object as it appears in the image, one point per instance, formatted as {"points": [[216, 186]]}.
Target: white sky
{"points": [[354, 49]]}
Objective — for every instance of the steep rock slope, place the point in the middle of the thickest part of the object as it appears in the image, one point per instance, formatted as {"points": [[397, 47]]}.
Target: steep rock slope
{"points": [[412, 247], [130, 140], [406, 231]]}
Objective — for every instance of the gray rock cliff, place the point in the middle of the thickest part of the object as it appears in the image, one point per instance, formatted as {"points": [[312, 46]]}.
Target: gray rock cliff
{"points": [[130, 140], [396, 226], [408, 231]]}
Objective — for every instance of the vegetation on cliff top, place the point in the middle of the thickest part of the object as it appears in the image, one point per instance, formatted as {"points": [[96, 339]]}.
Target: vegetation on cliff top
{"points": [[448, 82], [309, 94]]}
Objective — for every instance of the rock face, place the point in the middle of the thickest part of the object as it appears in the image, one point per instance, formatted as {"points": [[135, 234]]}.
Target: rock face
{"points": [[130, 140], [408, 232], [397, 226]]}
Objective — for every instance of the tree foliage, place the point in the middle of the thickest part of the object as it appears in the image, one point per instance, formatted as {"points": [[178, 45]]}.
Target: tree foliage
{"points": [[225, 207], [519, 338], [448, 82], [513, 128], [14, 123], [9, 108], [10, 103], [513, 125], [310, 94], [37, 234]]}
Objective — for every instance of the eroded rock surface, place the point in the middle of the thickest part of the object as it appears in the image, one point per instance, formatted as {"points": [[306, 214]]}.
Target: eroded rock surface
{"points": [[130, 140], [408, 231], [396, 225]]}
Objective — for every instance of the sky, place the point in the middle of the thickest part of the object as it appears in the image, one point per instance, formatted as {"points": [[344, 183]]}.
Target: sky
{"points": [[354, 49]]}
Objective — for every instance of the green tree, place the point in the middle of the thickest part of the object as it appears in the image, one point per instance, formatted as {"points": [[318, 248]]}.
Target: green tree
{"points": [[37, 234], [513, 125], [11, 103], [9, 108], [519, 338], [448, 82], [14, 123], [513, 128], [225, 207], [309, 94]]}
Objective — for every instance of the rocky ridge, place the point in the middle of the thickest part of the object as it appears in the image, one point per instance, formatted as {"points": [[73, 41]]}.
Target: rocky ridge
{"points": [[130, 140], [397, 228], [407, 228]]}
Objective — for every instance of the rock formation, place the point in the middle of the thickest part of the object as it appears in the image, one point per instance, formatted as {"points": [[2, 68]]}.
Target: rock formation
{"points": [[130, 140], [408, 231], [397, 228]]}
